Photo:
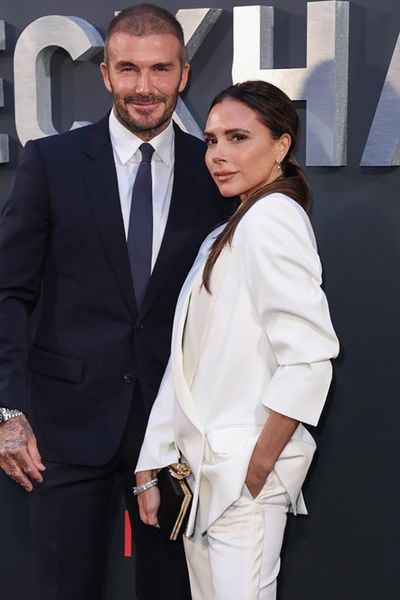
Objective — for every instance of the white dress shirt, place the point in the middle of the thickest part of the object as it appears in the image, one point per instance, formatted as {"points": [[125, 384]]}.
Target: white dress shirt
{"points": [[127, 157]]}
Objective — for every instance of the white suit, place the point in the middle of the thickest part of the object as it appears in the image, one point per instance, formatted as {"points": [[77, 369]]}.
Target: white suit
{"points": [[261, 341]]}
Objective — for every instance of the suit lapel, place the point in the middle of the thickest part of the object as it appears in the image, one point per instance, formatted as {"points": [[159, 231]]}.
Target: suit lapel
{"points": [[102, 187], [179, 223]]}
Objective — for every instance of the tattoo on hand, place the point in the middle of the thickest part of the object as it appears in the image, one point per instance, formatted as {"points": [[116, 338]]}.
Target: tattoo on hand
{"points": [[14, 434]]}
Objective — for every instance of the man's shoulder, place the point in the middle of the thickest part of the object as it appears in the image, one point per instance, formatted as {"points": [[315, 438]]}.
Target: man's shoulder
{"points": [[188, 145], [74, 138]]}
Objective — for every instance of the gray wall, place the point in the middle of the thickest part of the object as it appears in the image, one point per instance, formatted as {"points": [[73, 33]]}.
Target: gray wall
{"points": [[348, 547]]}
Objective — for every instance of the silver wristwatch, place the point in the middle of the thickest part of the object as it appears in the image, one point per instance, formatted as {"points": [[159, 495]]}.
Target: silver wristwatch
{"points": [[9, 413]]}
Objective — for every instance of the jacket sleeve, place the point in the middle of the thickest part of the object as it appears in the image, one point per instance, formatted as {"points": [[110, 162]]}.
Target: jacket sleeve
{"points": [[24, 233], [158, 448], [283, 274]]}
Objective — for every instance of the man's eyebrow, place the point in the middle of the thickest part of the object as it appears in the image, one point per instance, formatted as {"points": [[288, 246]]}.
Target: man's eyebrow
{"points": [[124, 63], [129, 63], [162, 64]]}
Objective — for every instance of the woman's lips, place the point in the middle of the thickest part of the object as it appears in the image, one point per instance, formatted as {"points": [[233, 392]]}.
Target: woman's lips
{"points": [[224, 175]]}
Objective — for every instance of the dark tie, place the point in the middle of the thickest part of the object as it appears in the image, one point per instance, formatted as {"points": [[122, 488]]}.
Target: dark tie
{"points": [[140, 233]]}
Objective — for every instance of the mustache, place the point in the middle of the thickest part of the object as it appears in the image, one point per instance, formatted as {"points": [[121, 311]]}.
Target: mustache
{"points": [[140, 99]]}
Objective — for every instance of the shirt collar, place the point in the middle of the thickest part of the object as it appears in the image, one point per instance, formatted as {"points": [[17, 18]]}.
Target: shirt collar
{"points": [[126, 144]]}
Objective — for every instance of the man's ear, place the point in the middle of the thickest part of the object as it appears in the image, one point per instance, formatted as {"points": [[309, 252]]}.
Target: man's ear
{"points": [[106, 79], [184, 77]]}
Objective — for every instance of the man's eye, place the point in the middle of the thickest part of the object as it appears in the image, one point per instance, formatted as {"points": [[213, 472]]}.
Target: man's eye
{"points": [[209, 141]]}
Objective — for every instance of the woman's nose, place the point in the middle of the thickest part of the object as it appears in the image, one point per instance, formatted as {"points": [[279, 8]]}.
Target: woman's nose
{"points": [[218, 154], [218, 157]]}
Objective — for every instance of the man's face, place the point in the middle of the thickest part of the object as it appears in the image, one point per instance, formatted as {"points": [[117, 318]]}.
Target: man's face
{"points": [[144, 74]]}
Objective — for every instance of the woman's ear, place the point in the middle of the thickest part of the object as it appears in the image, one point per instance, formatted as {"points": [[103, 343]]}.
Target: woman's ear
{"points": [[283, 146]]}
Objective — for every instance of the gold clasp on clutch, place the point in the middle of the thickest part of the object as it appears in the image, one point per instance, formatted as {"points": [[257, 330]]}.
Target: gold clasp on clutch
{"points": [[180, 470]]}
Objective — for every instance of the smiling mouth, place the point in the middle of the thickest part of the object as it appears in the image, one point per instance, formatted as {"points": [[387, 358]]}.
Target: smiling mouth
{"points": [[144, 102], [143, 105]]}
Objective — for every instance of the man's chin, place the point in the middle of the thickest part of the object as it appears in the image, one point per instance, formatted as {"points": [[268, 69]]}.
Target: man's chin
{"points": [[145, 113], [145, 123]]}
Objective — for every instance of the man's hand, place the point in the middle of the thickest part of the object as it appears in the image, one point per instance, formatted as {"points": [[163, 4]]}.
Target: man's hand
{"points": [[19, 454]]}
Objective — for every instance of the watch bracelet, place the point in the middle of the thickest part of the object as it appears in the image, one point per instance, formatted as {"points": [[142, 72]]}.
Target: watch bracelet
{"points": [[9, 413]]}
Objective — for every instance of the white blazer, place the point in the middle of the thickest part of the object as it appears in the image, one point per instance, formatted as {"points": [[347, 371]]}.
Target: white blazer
{"points": [[267, 344]]}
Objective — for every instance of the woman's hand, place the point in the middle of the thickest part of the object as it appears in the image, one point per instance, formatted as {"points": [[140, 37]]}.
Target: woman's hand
{"points": [[257, 474], [149, 501], [274, 436]]}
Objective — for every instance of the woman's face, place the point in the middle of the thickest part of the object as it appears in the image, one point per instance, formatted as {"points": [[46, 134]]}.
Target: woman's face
{"points": [[242, 156]]}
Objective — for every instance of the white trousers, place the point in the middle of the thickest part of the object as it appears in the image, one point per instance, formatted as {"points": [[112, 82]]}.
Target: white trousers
{"points": [[239, 556]]}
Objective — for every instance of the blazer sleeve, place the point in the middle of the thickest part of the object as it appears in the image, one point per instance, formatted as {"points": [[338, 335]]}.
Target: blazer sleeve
{"points": [[283, 274], [158, 448], [24, 234]]}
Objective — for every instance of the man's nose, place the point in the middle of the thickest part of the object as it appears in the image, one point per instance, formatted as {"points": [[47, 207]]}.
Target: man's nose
{"points": [[143, 83]]}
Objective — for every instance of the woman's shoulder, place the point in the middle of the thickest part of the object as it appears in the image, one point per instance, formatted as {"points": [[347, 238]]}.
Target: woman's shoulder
{"points": [[276, 211], [276, 203]]}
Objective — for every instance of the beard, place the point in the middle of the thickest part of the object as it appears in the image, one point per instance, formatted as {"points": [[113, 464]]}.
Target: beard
{"points": [[145, 121]]}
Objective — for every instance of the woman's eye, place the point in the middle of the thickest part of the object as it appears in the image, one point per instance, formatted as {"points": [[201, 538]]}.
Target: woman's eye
{"points": [[238, 137], [209, 141]]}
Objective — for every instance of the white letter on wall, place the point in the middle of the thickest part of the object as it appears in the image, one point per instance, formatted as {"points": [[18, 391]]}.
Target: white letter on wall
{"points": [[33, 52], [4, 151], [196, 24], [383, 144], [323, 83]]}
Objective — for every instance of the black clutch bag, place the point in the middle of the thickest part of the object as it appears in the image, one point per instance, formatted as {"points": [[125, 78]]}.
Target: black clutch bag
{"points": [[175, 499]]}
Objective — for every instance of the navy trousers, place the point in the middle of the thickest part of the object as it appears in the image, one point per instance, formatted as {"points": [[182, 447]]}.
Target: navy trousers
{"points": [[72, 515]]}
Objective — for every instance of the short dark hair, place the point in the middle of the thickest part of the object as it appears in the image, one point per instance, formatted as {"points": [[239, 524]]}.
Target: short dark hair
{"points": [[145, 19]]}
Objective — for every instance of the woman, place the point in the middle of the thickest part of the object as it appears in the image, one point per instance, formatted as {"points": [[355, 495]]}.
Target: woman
{"points": [[251, 345]]}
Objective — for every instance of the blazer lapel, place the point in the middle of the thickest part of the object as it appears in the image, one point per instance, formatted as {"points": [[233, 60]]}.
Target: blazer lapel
{"points": [[102, 187], [184, 394]]}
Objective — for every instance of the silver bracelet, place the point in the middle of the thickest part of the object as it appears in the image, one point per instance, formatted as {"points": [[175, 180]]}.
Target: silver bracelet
{"points": [[139, 489]]}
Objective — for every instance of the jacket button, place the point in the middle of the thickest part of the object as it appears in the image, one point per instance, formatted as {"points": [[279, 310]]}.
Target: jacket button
{"points": [[128, 378], [139, 325]]}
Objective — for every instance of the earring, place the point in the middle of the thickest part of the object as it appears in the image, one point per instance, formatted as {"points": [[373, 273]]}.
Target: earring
{"points": [[278, 163]]}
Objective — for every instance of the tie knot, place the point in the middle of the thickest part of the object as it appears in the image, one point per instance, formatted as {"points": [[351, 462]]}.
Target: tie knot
{"points": [[147, 152]]}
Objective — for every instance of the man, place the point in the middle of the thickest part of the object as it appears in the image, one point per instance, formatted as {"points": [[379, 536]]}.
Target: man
{"points": [[104, 230]]}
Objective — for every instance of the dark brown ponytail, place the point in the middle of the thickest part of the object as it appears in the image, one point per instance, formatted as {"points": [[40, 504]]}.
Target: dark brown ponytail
{"points": [[276, 111]]}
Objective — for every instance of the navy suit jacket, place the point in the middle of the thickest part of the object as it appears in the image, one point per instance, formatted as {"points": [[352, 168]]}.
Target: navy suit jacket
{"points": [[63, 251]]}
